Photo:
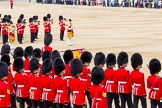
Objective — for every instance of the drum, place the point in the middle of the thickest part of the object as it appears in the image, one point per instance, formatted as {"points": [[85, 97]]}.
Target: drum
{"points": [[70, 34], [11, 35], [77, 52]]}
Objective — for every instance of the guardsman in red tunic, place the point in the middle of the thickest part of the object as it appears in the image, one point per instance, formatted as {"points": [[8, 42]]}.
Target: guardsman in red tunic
{"points": [[111, 81], [46, 85], [46, 25], [62, 98], [77, 85], [11, 2], [4, 31], [139, 91], [97, 91], [47, 42], [34, 83], [86, 58], [20, 79], [32, 30], [37, 23], [124, 80], [4, 87], [154, 83], [20, 30], [27, 54], [62, 28], [50, 21], [6, 59]]}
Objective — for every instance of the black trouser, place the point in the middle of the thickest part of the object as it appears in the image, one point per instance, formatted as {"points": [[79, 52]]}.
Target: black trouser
{"points": [[13, 101], [11, 5], [155, 103], [20, 38], [45, 33], [48, 104], [79, 106], [22, 102], [136, 100], [126, 98], [32, 36], [0, 31], [5, 38], [62, 34], [63, 105], [89, 98], [110, 97], [36, 104], [36, 36]]}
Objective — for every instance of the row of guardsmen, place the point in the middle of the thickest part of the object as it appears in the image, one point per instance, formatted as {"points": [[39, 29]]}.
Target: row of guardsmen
{"points": [[51, 83]]}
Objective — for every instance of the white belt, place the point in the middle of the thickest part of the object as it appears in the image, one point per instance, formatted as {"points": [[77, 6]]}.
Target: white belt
{"points": [[33, 88], [122, 82], [27, 71], [83, 79], [68, 76], [97, 99], [135, 84], [2, 96], [108, 81], [75, 91], [44, 89], [20, 86], [59, 91], [155, 88]]}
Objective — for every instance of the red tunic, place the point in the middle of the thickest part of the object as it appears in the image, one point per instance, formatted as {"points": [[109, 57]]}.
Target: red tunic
{"points": [[111, 80], [21, 83], [77, 88], [20, 28], [10, 82], [34, 86], [4, 94], [98, 95], [11, 1], [124, 81], [27, 67], [4, 29], [32, 28], [155, 84], [47, 48], [46, 26], [62, 25], [48, 88], [138, 83], [61, 90]]}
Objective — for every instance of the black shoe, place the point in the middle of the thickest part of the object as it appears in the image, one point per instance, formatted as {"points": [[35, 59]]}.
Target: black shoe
{"points": [[20, 43], [32, 42]]}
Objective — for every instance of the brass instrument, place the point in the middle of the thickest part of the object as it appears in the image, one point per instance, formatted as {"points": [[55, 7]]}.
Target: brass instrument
{"points": [[51, 21]]}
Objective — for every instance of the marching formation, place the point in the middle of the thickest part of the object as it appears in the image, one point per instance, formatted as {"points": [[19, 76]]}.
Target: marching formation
{"points": [[51, 83], [9, 30]]}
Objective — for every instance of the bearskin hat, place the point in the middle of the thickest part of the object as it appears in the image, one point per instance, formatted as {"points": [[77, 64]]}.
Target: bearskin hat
{"points": [[154, 66], [21, 16], [60, 17], [122, 59], [34, 64], [30, 20], [75, 67], [110, 60], [46, 55], [3, 20], [97, 75], [48, 39], [70, 20], [3, 69], [68, 56], [9, 16], [99, 59], [6, 59], [5, 49], [48, 16], [18, 52], [59, 66], [136, 60], [28, 51], [18, 64], [19, 21], [86, 57], [34, 18], [44, 18], [37, 53], [46, 66], [55, 54]]}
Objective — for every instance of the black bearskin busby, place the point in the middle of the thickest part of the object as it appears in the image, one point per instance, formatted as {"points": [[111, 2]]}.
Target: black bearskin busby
{"points": [[86, 57], [34, 18], [30, 20], [110, 60], [28, 51], [97, 75], [99, 59], [5, 49], [48, 16], [3, 69], [19, 21], [154, 66], [18, 64], [46, 55], [61, 18], [68, 56], [122, 59], [136, 60], [6, 59], [37, 53], [55, 55], [44, 18], [46, 66], [18, 52], [21, 16], [75, 67], [34, 64], [59, 66], [48, 39]]}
